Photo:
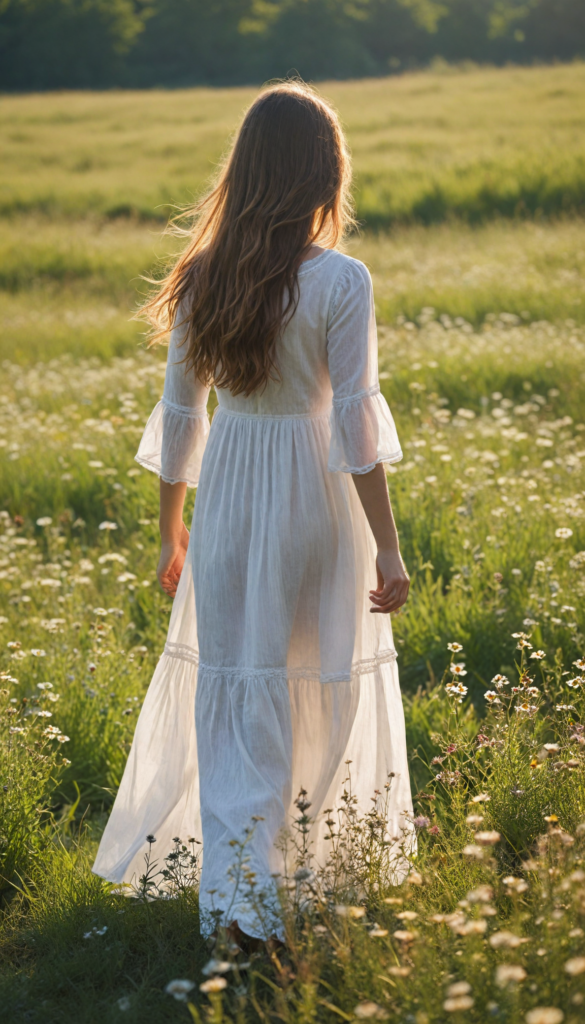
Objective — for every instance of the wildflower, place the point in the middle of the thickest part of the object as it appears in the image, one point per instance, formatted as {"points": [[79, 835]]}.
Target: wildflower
{"points": [[459, 988], [415, 878], [404, 936], [216, 967], [400, 972], [505, 940], [521, 636], [580, 664], [525, 708], [459, 669], [544, 1015], [482, 894], [523, 645], [517, 885], [500, 681], [458, 997], [458, 1003], [44, 521], [407, 915], [538, 655], [472, 928], [487, 838], [454, 648], [472, 850], [95, 931], [421, 822], [107, 525], [179, 989], [565, 707], [575, 966], [378, 933], [456, 690], [434, 830], [480, 798], [506, 973], [474, 819], [61, 738], [563, 533], [124, 1003], [213, 986], [37, 652], [575, 682], [365, 1010], [353, 912], [492, 697]]}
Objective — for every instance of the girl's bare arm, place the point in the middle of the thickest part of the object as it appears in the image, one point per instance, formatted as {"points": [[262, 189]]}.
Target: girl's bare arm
{"points": [[393, 581], [174, 536]]}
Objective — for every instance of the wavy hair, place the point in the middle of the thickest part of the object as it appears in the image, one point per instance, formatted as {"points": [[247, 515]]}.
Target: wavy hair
{"points": [[284, 187]]}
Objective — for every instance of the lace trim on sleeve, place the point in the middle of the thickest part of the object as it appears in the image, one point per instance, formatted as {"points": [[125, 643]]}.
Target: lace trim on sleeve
{"points": [[363, 433], [173, 442]]}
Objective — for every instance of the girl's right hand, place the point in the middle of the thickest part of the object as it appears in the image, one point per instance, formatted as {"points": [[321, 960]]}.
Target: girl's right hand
{"points": [[393, 582], [171, 561]]}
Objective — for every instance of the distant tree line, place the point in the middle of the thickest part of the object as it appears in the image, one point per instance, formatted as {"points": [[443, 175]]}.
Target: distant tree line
{"points": [[53, 44]]}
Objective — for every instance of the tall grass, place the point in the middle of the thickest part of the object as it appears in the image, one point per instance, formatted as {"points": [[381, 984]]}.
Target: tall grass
{"points": [[426, 146]]}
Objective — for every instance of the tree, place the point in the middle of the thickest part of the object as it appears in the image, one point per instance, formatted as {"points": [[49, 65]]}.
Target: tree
{"points": [[52, 44]]}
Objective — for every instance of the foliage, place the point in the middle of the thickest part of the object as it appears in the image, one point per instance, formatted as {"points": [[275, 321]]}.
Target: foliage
{"points": [[81, 43]]}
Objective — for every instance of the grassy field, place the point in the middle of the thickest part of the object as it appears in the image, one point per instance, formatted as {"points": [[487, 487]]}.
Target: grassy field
{"points": [[482, 358], [425, 146]]}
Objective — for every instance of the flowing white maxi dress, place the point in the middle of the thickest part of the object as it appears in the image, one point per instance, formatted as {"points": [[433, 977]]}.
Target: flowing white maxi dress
{"points": [[275, 673]]}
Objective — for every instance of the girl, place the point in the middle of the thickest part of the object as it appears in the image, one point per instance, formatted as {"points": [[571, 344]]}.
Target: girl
{"points": [[279, 664]]}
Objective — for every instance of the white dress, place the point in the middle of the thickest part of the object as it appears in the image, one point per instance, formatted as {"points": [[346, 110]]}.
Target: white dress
{"points": [[275, 673]]}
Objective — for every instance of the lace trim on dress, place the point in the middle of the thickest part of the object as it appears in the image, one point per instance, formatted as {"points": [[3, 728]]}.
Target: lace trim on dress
{"points": [[359, 668], [366, 393], [197, 412]]}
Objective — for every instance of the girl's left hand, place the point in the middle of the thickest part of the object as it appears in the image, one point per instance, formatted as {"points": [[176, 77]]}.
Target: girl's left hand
{"points": [[171, 561]]}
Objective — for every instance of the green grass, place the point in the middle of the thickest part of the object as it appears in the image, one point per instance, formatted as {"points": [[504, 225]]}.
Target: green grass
{"points": [[426, 146], [482, 358]]}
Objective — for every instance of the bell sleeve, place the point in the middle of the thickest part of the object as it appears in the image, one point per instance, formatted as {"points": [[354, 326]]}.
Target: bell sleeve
{"points": [[362, 428], [175, 436]]}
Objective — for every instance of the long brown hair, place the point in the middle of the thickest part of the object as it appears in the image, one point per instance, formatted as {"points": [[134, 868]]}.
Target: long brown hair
{"points": [[284, 186]]}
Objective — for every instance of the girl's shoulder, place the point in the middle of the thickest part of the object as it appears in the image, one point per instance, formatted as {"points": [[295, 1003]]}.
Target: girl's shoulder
{"points": [[338, 271], [351, 283]]}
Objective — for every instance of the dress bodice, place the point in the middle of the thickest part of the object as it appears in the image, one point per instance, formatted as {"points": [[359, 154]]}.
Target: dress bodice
{"points": [[327, 362]]}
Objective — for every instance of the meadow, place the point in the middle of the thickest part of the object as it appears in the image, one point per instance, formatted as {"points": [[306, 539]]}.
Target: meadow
{"points": [[481, 307]]}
